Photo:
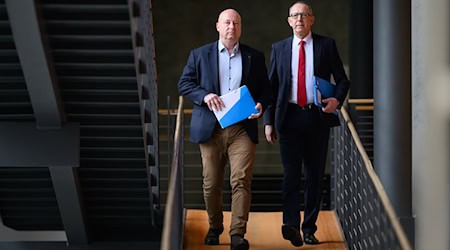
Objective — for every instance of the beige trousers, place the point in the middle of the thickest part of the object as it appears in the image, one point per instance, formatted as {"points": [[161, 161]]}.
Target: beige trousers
{"points": [[231, 144]]}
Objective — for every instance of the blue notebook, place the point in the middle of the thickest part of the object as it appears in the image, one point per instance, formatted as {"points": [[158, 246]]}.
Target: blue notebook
{"points": [[239, 105], [322, 89]]}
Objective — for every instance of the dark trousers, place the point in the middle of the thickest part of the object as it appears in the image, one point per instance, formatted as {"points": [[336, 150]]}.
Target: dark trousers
{"points": [[303, 139]]}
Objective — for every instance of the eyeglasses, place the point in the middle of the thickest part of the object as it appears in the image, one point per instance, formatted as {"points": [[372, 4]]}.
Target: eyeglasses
{"points": [[300, 14]]}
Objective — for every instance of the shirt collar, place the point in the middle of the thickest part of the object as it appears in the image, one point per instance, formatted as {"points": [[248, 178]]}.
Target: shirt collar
{"points": [[222, 48], [307, 39]]}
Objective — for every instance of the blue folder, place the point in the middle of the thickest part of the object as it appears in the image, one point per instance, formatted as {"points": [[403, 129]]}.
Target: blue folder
{"points": [[239, 105], [322, 89]]}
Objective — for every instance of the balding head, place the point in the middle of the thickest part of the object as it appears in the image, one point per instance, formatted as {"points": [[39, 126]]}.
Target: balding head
{"points": [[229, 27]]}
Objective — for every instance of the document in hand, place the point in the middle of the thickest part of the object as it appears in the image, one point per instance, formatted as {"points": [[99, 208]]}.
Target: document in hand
{"points": [[322, 89], [239, 105]]}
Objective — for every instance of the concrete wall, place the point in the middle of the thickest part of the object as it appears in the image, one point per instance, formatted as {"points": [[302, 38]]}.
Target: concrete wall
{"points": [[431, 122], [180, 26]]}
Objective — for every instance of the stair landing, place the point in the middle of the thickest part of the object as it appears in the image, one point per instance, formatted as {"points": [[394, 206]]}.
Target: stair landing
{"points": [[263, 231]]}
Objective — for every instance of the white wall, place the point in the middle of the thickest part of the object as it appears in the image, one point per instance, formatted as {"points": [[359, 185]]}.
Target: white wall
{"points": [[431, 122]]}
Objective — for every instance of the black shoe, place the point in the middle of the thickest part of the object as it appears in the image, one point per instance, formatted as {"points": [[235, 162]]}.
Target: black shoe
{"points": [[292, 234], [212, 237], [238, 242], [310, 239]]}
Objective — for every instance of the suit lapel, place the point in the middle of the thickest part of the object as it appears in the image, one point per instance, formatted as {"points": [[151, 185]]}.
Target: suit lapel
{"points": [[213, 62], [246, 62], [317, 51], [287, 58]]}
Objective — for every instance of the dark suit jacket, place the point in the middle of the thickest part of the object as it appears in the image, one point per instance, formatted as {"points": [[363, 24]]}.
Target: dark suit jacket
{"points": [[326, 63], [201, 77]]}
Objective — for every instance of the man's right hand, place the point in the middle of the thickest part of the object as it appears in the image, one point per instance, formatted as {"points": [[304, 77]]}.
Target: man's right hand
{"points": [[271, 135], [214, 102]]}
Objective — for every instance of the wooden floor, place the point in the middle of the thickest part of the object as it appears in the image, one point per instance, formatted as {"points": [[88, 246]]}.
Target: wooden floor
{"points": [[263, 232]]}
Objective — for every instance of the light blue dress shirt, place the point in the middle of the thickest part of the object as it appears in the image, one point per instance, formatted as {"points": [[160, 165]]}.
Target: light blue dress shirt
{"points": [[230, 68]]}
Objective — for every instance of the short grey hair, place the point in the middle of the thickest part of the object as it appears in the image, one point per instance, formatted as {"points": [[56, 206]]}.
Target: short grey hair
{"points": [[302, 2]]}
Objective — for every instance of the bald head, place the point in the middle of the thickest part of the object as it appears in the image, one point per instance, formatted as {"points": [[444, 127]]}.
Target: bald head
{"points": [[228, 12], [229, 27]]}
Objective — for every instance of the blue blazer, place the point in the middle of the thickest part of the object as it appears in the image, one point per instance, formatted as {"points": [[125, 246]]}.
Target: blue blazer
{"points": [[201, 77], [326, 63]]}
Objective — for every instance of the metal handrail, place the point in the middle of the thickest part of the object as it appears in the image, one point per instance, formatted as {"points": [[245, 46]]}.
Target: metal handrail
{"points": [[360, 101], [174, 216], [352, 179], [362, 104]]}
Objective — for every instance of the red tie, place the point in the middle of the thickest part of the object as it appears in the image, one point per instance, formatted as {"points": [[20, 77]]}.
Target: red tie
{"points": [[301, 85]]}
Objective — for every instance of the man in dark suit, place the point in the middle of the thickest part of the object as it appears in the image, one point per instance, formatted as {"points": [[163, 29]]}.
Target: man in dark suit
{"points": [[212, 70], [303, 128]]}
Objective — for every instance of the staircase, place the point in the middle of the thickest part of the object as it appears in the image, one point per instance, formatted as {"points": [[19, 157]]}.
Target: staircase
{"points": [[27, 199], [93, 49]]}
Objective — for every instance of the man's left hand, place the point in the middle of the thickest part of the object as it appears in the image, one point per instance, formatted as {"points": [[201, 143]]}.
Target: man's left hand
{"points": [[331, 105], [257, 115]]}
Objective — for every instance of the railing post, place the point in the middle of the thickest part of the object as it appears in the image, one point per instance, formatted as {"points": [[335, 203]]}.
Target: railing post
{"points": [[169, 139]]}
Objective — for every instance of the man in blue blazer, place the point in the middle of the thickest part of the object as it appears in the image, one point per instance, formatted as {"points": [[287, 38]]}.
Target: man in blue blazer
{"points": [[213, 70], [303, 128]]}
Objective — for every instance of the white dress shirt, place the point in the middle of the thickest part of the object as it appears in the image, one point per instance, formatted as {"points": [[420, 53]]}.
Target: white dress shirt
{"points": [[309, 68]]}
